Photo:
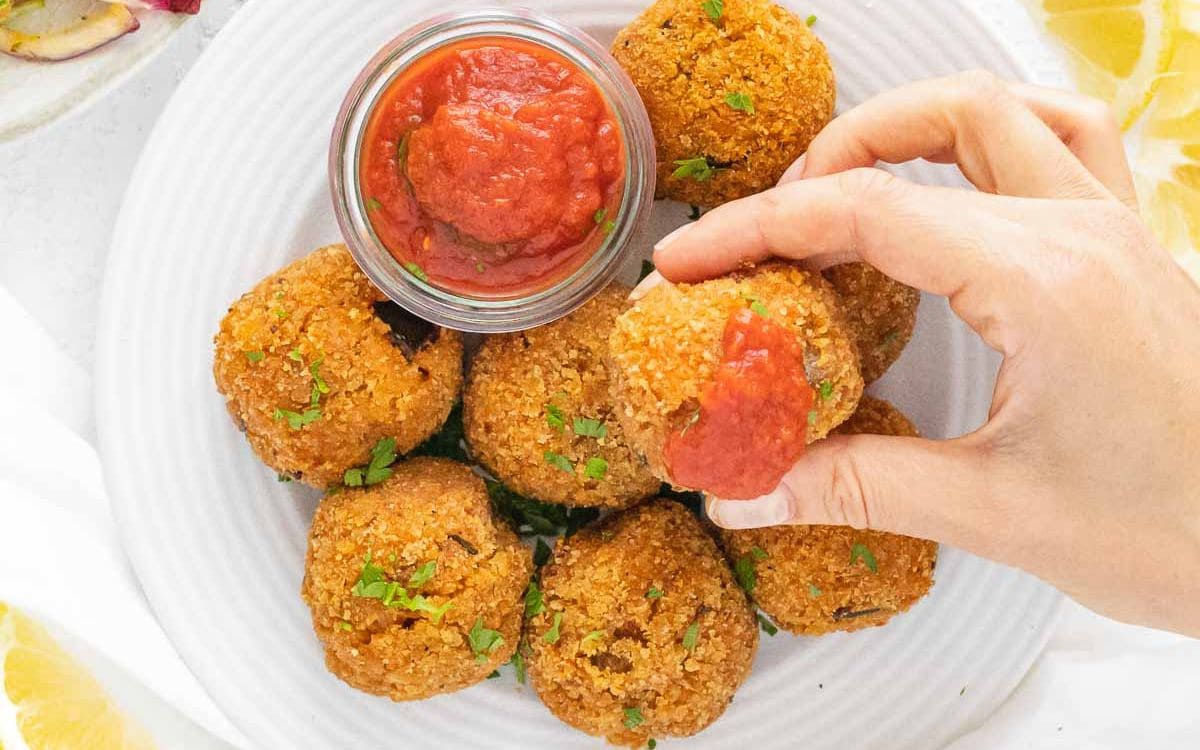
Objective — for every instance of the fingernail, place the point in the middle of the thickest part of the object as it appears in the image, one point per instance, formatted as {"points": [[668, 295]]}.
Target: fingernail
{"points": [[653, 279], [665, 241], [793, 172], [769, 510]]}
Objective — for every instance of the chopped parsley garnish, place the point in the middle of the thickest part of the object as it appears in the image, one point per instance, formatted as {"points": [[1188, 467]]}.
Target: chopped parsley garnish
{"points": [[533, 600], [284, 478], [767, 626], [383, 455], [739, 101], [654, 593], [698, 168], [281, 314], [691, 635], [595, 468], [345, 626], [421, 575], [541, 553], [373, 204], [296, 420], [860, 552], [295, 355], [558, 461], [600, 214], [651, 744], [483, 641], [608, 226], [373, 584], [647, 269], [402, 152], [552, 634], [518, 662], [447, 442], [890, 337], [714, 8], [743, 569], [279, 294], [555, 417], [415, 270], [810, 20], [585, 427], [633, 718], [371, 581], [812, 417], [495, 673], [255, 357], [695, 212], [592, 636], [319, 384], [825, 390], [813, 591]]}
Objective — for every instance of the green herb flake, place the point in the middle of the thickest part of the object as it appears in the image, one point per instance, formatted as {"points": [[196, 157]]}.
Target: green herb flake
{"points": [[714, 9], [595, 468], [691, 636], [552, 634], [598, 217], [758, 308], [592, 636], [767, 626], [825, 390], [495, 673], [744, 572], [383, 455], [810, 21], [423, 574], [483, 641], [255, 357], [608, 226], [314, 369], [371, 581], [555, 417], [279, 294], [283, 478], [654, 593], [345, 626], [860, 552], [541, 553], [295, 355], [633, 718], [651, 744], [533, 600], [415, 270], [585, 427], [698, 168], [739, 101], [518, 663], [281, 314], [296, 420], [558, 461], [373, 204], [889, 338], [812, 417], [813, 591]]}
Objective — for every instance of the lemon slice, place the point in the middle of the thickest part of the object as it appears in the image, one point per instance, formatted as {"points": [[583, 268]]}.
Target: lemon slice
{"points": [[62, 29], [1118, 50], [58, 704], [1168, 158]]}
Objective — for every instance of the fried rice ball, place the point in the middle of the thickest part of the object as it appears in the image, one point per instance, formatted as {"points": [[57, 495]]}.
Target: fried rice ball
{"points": [[691, 70], [544, 392], [455, 612], [317, 365], [666, 349], [813, 580], [880, 314], [643, 632]]}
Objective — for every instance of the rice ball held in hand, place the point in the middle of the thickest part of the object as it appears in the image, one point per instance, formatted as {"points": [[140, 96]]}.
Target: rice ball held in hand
{"points": [[880, 314], [735, 91], [638, 630], [813, 580], [538, 414], [317, 366], [721, 384], [415, 589]]}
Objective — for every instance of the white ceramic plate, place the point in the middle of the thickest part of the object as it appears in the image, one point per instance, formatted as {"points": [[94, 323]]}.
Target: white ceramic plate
{"points": [[232, 185]]}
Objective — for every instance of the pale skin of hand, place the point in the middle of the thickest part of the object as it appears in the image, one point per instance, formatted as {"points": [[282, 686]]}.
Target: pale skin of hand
{"points": [[1087, 473]]}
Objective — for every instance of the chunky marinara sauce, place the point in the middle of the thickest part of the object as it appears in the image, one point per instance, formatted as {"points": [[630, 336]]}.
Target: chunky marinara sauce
{"points": [[492, 166], [753, 417]]}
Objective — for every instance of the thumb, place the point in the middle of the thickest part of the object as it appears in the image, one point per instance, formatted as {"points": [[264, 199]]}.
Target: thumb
{"points": [[925, 488]]}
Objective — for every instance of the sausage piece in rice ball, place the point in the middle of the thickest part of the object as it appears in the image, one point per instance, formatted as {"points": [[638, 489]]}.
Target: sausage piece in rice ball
{"points": [[813, 580], [538, 414], [880, 314], [415, 589], [641, 631], [317, 366], [720, 384], [733, 101]]}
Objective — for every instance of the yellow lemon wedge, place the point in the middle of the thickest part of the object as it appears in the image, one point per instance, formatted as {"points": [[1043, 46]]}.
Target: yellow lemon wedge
{"points": [[58, 704], [1118, 50]]}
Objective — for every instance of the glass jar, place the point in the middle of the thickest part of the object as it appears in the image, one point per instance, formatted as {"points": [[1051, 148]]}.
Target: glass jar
{"points": [[491, 314]]}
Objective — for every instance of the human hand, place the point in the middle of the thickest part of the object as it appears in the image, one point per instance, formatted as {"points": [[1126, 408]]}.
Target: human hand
{"points": [[1087, 472]]}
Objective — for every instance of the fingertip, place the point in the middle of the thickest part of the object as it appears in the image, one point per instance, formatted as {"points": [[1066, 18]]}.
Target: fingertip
{"points": [[653, 279], [772, 509], [795, 171]]}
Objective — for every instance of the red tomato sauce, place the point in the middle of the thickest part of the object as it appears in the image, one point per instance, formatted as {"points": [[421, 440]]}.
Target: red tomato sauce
{"points": [[753, 418], [495, 165]]}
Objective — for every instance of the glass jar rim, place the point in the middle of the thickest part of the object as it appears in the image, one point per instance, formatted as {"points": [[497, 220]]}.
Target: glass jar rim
{"points": [[484, 314]]}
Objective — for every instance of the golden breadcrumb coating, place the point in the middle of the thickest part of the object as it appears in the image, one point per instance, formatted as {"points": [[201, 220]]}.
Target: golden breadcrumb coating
{"points": [[666, 349], [880, 314], [814, 580], [520, 383], [684, 65], [320, 310], [651, 625], [431, 509]]}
